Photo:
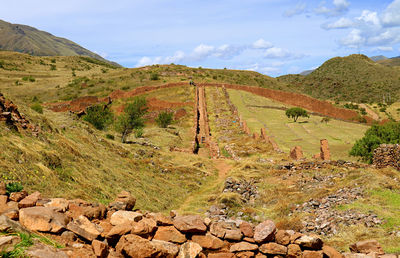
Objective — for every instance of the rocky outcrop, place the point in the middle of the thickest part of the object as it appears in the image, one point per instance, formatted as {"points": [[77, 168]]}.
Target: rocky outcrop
{"points": [[10, 114], [296, 153]]}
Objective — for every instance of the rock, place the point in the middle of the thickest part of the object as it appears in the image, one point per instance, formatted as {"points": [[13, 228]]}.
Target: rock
{"points": [[282, 237], [6, 224], [30, 200], [42, 219], [293, 251], [221, 255], [312, 254], [3, 201], [190, 224], [68, 236], [226, 230], [12, 214], [165, 249], [367, 246], [59, 204], [144, 227], [207, 222], [264, 231], [233, 234], [136, 247], [208, 241], [330, 252], [189, 250], [84, 228], [169, 234], [121, 217], [100, 249], [246, 229], [273, 248], [325, 153], [119, 230], [312, 242], [18, 196], [7, 243], [160, 218], [296, 153], [245, 255], [3, 189], [44, 251], [124, 201], [243, 246], [218, 229]]}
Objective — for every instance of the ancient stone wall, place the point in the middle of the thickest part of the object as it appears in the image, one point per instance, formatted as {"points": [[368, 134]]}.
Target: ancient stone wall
{"points": [[387, 155]]}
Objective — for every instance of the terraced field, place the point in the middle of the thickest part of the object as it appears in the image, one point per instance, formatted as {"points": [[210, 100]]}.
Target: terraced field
{"points": [[262, 112]]}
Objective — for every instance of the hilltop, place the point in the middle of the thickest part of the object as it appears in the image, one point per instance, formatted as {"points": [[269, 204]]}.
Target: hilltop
{"points": [[353, 78], [26, 39]]}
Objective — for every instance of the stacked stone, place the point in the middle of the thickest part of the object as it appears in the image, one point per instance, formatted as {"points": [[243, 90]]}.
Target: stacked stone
{"points": [[247, 189], [10, 114], [232, 107], [387, 155], [118, 231]]}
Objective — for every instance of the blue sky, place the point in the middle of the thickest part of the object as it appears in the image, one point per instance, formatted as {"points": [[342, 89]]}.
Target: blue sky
{"points": [[273, 37]]}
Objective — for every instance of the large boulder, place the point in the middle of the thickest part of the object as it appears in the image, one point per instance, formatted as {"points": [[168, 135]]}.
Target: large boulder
{"points": [[30, 200], [313, 254], [100, 249], [226, 230], [367, 246], [84, 228], [330, 252], [208, 241], [6, 224], [273, 248], [190, 224], [160, 218], [124, 201], [165, 249], [43, 219], [58, 204], [18, 196], [169, 234], [247, 229], [121, 217], [265, 231], [311, 242], [136, 247], [144, 227], [40, 250], [243, 246]]}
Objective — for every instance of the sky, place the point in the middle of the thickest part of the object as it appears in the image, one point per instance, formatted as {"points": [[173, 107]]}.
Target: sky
{"points": [[273, 37]]}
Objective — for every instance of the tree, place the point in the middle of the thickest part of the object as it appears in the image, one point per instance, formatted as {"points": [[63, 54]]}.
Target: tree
{"points": [[375, 136], [99, 116], [164, 119], [132, 118], [296, 112]]}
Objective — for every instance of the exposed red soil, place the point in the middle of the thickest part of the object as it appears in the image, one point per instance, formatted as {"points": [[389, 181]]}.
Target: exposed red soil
{"points": [[290, 98]]}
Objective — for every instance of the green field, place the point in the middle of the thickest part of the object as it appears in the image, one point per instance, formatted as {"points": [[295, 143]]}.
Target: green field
{"points": [[306, 132]]}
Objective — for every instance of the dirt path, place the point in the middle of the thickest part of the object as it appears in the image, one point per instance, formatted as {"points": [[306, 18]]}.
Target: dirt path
{"points": [[370, 112], [223, 168]]}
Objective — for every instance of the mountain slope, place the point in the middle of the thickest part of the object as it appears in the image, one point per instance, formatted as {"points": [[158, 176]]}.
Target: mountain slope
{"points": [[26, 39], [353, 78]]}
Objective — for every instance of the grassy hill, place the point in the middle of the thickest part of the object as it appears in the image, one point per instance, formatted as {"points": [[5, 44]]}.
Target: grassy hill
{"points": [[353, 78], [26, 39]]}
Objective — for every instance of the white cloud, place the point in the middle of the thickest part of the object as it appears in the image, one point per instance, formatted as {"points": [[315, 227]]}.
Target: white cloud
{"points": [[280, 53], [391, 16], [388, 49], [354, 39], [298, 9], [227, 51], [339, 7], [369, 17], [176, 58], [262, 44], [202, 51], [262, 69], [342, 23]]}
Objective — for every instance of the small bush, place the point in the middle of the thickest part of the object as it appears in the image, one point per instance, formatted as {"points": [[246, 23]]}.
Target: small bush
{"points": [[14, 187], [37, 107], [53, 67], [99, 116], [28, 78], [110, 136], [382, 109], [139, 132], [154, 77], [53, 60], [164, 119], [325, 120]]}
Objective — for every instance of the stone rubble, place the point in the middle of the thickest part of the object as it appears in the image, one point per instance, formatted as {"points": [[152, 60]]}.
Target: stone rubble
{"points": [[387, 155], [247, 189]]}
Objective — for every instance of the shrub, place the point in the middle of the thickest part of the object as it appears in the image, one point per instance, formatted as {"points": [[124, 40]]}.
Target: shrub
{"points": [[37, 107], [28, 78], [325, 120], [296, 112], [14, 187], [99, 116], [53, 60], [374, 136], [53, 67], [110, 136], [154, 77], [382, 109], [139, 132], [164, 119]]}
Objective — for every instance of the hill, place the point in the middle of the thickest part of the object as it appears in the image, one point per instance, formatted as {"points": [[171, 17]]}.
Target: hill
{"points": [[378, 58], [26, 39], [353, 78], [394, 61]]}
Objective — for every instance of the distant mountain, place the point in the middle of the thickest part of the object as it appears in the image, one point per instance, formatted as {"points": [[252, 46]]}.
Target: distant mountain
{"points": [[378, 58], [353, 78], [393, 61], [26, 39], [306, 72]]}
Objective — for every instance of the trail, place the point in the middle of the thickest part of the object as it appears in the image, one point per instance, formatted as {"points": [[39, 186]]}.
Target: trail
{"points": [[223, 168]]}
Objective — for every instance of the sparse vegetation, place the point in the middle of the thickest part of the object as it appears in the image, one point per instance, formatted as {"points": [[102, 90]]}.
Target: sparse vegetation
{"points": [[99, 116], [164, 119], [154, 76]]}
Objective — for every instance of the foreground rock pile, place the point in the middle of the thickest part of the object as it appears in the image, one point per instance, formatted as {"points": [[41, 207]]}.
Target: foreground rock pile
{"points": [[10, 114], [95, 230], [324, 218], [247, 189], [387, 155]]}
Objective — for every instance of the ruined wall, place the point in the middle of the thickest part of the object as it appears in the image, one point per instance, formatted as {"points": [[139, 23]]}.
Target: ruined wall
{"points": [[387, 155]]}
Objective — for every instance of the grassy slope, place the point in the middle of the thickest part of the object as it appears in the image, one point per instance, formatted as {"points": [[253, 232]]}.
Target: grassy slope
{"points": [[306, 133], [353, 78]]}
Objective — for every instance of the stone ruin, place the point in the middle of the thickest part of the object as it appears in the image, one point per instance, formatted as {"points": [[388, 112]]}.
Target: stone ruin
{"points": [[296, 153], [387, 155], [325, 153], [9, 113], [270, 140]]}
